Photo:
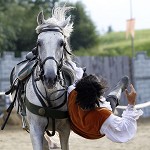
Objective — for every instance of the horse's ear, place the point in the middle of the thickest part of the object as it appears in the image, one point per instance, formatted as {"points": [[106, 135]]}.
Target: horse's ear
{"points": [[40, 18], [66, 22]]}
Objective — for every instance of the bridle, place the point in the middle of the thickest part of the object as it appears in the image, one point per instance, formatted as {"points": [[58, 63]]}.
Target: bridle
{"points": [[41, 63], [44, 110], [39, 74]]}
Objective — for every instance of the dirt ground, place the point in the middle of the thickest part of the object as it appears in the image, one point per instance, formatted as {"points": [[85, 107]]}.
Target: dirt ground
{"points": [[14, 138]]}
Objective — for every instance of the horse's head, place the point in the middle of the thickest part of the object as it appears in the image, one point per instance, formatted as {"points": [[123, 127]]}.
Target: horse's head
{"points": [[51, 44], [50, 49]]}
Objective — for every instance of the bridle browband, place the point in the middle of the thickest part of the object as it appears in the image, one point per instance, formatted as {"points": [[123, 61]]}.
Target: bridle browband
{"points": [[50, 29]]}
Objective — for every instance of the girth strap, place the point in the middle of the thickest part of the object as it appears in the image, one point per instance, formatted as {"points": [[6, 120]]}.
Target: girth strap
{"points": [[46, 111]]}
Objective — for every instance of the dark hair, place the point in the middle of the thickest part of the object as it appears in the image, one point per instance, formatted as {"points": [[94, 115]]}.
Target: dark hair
{"points": [[89, 89]]}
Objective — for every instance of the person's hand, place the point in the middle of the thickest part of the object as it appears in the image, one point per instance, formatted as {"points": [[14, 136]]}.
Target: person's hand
{"points": [[131, 96]]}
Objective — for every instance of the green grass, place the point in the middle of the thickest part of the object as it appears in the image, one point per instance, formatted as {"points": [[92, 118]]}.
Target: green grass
{"points": [[116, 44]]}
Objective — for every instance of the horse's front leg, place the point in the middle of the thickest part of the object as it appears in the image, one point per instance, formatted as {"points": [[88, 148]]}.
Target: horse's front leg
{"points": [[37, 128], [64, 133]]}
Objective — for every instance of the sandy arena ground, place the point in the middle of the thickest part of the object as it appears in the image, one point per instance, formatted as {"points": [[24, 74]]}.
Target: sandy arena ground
{"points": [[14, 138]]}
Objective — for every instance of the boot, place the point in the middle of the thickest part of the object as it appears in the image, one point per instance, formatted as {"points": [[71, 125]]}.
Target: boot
{"points": [[115, 94]]}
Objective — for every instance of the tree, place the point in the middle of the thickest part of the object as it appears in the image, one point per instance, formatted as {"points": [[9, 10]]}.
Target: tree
{"points": [[17, 28], [10, 25], [84, 35], [109, 30]]}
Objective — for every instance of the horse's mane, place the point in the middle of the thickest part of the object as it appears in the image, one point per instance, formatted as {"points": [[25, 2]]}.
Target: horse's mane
{"points": [[59, 20]]}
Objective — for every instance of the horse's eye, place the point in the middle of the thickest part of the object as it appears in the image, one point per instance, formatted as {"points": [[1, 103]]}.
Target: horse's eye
{"points": [[38, 43], [62, 43]]}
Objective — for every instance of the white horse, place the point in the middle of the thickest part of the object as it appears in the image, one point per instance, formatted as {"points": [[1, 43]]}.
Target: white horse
{"points": [[46, 86]]}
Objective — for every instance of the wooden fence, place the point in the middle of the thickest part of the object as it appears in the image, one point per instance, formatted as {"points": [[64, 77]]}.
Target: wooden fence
{"points": [[111, 68]]}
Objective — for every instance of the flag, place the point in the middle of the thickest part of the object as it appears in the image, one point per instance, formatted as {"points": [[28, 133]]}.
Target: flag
{"points": [[130, 28]]}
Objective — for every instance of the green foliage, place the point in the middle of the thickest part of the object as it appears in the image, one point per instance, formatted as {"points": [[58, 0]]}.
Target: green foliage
{"points": [[11, 25], [18, 23], [116, 44], [84, 35], [109, 30]]}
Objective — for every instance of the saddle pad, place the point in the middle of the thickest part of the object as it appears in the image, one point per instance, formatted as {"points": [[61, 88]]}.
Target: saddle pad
{"points": [[27, 70]]}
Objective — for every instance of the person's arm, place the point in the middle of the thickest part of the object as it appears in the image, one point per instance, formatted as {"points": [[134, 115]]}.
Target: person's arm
{"points": [[78, 75], [123, 129]]}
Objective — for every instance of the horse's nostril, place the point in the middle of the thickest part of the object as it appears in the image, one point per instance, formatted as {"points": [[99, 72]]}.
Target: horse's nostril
{"points": [[44, 78], [56, 78], [50, 81]]}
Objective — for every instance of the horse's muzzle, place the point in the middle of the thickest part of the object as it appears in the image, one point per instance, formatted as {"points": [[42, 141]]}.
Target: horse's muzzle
{"points": [[50, 81]]}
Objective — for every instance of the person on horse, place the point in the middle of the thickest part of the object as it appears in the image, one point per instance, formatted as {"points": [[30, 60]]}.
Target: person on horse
{"points": [[92, 115]]}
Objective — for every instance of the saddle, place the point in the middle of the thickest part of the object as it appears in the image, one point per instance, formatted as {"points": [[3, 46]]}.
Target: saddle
{"points": [[25, 72]]}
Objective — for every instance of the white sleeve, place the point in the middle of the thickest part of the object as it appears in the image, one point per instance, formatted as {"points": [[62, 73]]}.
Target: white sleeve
{"points": [[121, 129], [78, 75], [78, 71], [70, 88]]}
